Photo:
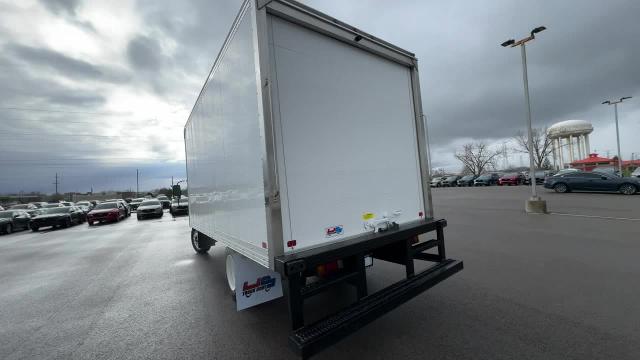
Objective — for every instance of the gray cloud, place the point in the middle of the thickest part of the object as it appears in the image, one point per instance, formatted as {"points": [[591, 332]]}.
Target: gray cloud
{"points": [[20, 87], [198, 28], [472, 87], [78, 99], [65, 65], [144, 53], [59, 6], [56, 60], [152, 68], [67, 9]]}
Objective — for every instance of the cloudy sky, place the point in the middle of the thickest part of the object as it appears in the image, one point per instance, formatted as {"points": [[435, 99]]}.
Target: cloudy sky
{"points": [[94, 90]]}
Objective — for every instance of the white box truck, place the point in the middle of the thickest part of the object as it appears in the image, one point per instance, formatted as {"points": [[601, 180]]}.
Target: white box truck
{"points": [[306, 157]]}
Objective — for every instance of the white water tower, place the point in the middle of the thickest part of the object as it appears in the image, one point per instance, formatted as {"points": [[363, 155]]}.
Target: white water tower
{"points": [[570, 141]]}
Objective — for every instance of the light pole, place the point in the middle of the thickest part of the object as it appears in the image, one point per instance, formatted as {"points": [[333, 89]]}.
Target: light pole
{"points": [[615, 107], [535, 204]]}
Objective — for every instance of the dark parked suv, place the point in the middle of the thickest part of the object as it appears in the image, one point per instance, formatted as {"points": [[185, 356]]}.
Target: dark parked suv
{"points": [[58, 216], [12, 220], [486, 180], [164, 200], [466, 180], [179, 206], [592, 181], [450, 181]]}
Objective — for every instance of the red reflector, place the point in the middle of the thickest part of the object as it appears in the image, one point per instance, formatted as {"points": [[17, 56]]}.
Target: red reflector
{"points": [[420, 214], [291, 243], [264, 244], [332, 266]]}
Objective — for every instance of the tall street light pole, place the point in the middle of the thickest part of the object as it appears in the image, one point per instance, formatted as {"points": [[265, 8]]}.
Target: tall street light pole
{"points": [[615, 107], [535, 204]]}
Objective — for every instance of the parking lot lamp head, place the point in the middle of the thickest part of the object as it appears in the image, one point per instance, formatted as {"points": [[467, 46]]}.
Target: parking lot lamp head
{"points": [[537, 30], [508, 42]]}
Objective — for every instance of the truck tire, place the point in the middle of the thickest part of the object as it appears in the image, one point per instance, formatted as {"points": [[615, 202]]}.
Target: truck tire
{"points": [[197, 244], [231, 273]]}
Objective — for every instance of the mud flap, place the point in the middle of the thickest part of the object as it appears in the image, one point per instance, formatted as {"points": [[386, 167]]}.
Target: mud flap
{"points": [[255, 284]]}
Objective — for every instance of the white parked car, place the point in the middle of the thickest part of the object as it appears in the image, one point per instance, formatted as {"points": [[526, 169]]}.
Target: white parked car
{"points": [[436, 181], [149, 208]]}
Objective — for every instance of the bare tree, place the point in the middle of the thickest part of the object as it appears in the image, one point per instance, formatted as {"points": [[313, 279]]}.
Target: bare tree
{"points": [[542, 146], [477, 157]]}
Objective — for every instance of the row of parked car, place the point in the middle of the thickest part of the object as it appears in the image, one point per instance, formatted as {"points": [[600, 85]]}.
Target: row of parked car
{"points": [[563, 181], [64, 214], [489, 179]]}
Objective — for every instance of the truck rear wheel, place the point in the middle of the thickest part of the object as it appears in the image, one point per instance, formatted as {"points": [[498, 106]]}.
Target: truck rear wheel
{"points": [[230, 267], [201, 247], [231, 274]]}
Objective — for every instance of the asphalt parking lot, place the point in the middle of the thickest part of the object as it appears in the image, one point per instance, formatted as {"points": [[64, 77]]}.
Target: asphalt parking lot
{"points": [[558, 286]]}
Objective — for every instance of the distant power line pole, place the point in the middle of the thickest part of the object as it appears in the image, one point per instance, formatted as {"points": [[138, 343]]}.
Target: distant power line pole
{"points": [[137, 183], [56, 183]]}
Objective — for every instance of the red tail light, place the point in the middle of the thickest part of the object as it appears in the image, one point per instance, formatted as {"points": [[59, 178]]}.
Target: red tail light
{"points": [[329, 268]]}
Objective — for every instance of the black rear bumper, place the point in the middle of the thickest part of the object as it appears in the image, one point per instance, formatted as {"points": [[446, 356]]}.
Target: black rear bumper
{"points": [[48, 222], [399, 246]]}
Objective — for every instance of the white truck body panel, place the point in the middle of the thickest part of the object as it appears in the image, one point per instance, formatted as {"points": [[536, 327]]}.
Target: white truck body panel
{"points": [[345, 131], [300, 130], [224, 149]]}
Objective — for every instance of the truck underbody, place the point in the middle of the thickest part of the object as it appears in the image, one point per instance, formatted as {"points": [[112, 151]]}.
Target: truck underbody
{"points": [[399, 246]]}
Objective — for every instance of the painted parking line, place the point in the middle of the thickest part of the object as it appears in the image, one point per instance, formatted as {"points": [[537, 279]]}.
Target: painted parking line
{"points": [[595, 216]]}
